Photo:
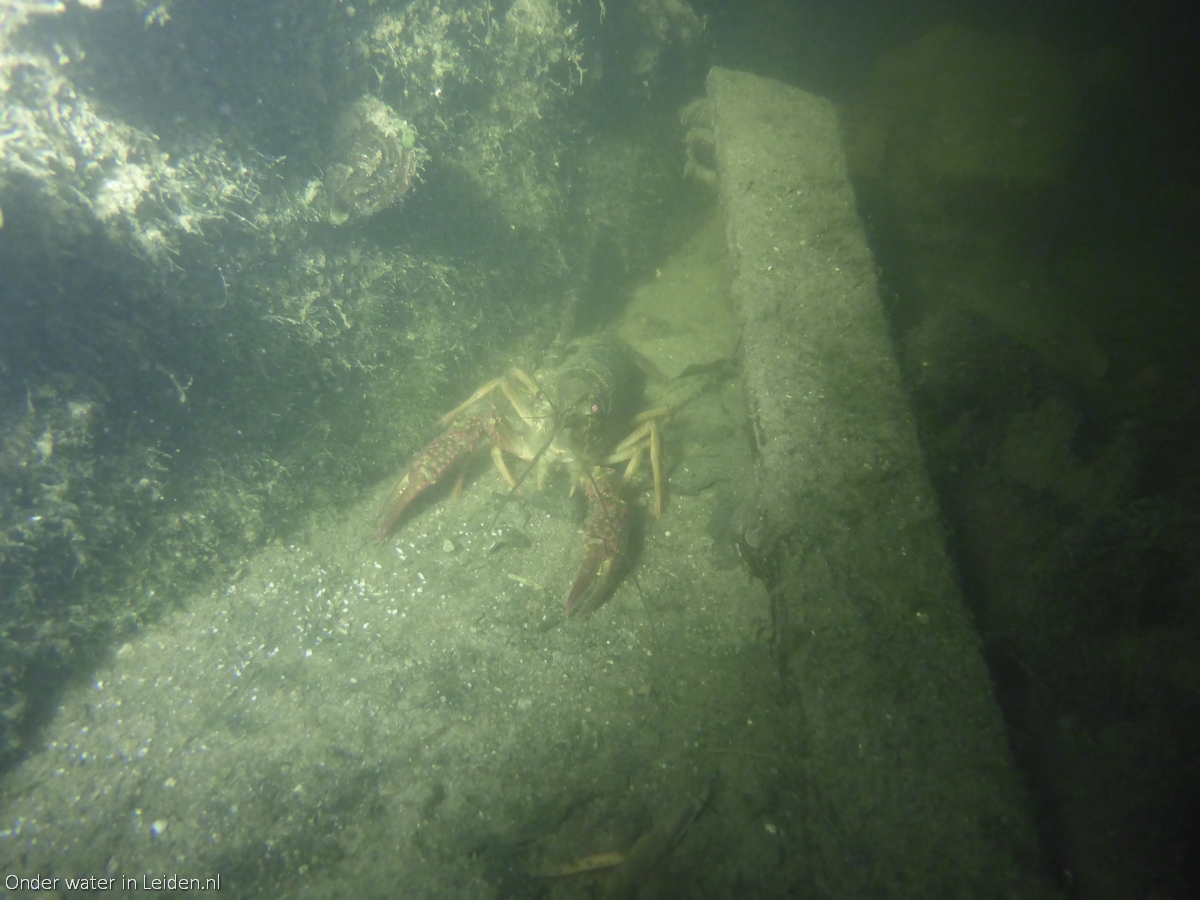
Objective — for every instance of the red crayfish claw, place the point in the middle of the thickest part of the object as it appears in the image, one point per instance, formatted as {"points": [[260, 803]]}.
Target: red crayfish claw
{"points": [[454, 445], [604, 543]]}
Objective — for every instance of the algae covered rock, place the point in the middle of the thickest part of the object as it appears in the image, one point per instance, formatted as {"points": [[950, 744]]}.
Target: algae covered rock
{"points": [[374, 160]]}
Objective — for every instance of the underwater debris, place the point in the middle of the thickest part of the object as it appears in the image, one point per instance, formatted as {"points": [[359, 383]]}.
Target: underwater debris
{"points": [[374, 160], [652, 848], [699, 142], [591, 863]]}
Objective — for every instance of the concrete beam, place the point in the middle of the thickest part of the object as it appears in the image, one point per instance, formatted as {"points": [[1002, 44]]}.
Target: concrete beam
{"points": [[910, 790]]}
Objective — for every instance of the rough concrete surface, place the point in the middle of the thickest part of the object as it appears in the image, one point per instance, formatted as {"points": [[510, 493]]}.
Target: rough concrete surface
{"points": [[910, 790]]}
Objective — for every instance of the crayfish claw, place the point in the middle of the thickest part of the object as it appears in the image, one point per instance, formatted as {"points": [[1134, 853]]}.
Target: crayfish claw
{"points": [[454, 444], [603, 544]]}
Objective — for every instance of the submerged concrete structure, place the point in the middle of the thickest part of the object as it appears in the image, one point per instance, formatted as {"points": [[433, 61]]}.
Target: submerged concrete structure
{"points": [[340, 716], [909, 788]]}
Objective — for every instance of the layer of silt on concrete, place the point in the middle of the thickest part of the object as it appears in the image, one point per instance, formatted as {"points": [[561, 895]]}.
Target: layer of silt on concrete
{"points": [[910, 787]]}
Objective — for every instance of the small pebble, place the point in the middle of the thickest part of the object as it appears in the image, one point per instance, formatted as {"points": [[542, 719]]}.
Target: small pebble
{"points": [[449, 546]]}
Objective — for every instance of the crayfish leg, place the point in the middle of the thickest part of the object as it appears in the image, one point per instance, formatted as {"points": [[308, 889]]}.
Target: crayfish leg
{"points": [[502, 467], [475, 397]]}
